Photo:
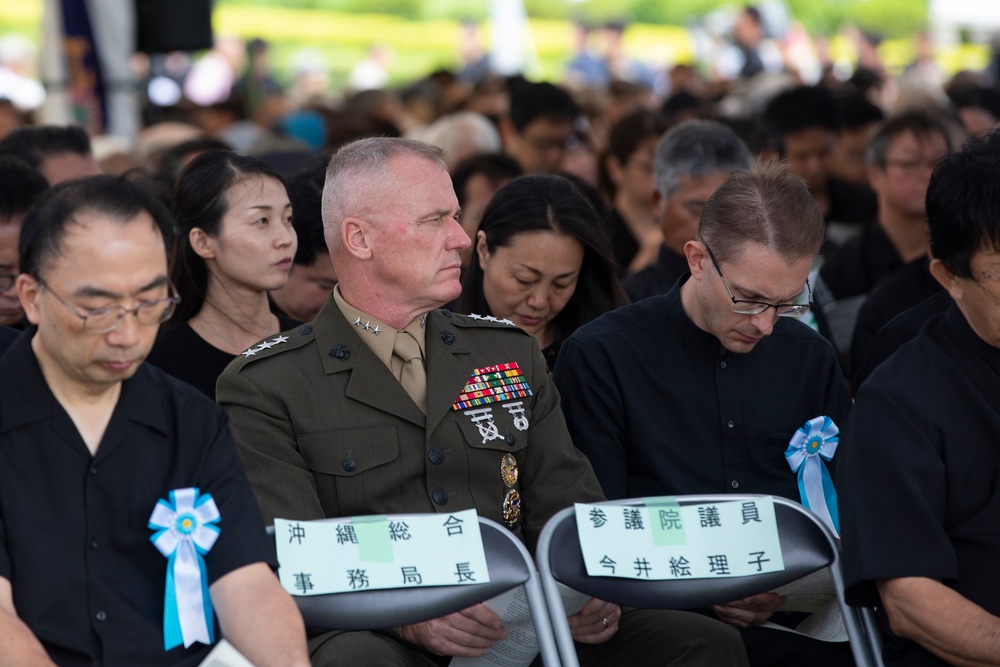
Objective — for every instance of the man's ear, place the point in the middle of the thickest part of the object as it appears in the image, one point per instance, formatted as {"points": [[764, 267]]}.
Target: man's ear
{"points": [[948, 280], [28, 291], [202, 244], [356, 237], [696, 256]]}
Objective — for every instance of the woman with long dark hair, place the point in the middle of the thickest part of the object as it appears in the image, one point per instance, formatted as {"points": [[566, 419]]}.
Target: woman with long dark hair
{"points": [[234, 242], [542, 260]]}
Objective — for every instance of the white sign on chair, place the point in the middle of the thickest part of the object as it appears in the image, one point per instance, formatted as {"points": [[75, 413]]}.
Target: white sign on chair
{"points": [[662, 539], [379, 552]]}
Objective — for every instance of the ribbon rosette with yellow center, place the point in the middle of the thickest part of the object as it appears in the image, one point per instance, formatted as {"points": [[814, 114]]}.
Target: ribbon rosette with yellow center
{"points": [[807, 449], [186, 531]]}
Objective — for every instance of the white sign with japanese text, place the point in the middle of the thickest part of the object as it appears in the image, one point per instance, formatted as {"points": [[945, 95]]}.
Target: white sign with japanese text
{"points": [[665, 540], [377, 552]]}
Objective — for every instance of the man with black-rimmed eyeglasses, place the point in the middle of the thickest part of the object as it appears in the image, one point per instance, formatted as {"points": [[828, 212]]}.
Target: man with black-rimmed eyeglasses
{"points": [[703, 389], [127, 527]]}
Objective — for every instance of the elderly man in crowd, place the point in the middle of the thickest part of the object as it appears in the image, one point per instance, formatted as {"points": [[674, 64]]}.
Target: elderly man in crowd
{"points": [[100, 455], [362, 412], [692, 160]]}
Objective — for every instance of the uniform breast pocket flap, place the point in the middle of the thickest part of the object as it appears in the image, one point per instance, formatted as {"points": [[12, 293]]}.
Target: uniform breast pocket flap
{"points": [[349, 452]]}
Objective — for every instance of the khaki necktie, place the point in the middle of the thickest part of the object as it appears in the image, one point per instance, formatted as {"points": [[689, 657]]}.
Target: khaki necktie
{"points": [[411, 374]]}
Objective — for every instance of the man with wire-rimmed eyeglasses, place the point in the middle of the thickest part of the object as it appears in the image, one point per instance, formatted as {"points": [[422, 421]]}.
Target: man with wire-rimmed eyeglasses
{"points": [[92, 441], [701, 390]]}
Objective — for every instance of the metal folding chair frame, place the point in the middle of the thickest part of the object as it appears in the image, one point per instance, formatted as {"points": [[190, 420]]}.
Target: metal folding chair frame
{"points": [[807, 545]]}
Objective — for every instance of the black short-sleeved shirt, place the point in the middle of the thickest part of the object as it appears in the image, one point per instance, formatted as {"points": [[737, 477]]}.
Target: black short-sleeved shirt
{"points": [[850, 202], [660, 407], [7, 337], [904, 289], [74, 540], [623, 244], [921, 469], [658, 277], [900, 330], [860, 264]]}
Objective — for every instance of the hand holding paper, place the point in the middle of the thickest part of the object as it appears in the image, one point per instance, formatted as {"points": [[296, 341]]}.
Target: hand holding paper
{"points": [[468, 633], [750, 611]]}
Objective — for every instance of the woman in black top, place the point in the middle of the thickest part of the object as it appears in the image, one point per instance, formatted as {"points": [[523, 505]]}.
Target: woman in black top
{"points": [[234, 242], [542, 260]]}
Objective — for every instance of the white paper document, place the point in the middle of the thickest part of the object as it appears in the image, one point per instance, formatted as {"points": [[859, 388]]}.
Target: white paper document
{"points": [[520, 646]]}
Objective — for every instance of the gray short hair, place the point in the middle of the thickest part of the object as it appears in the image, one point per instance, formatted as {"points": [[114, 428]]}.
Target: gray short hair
{"points": [[695, 149], [358, 168]]}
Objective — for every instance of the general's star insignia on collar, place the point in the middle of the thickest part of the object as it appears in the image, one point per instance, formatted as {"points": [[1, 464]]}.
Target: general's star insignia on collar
{"points": [[490, 318], [475, 316], [367, 325], [357, 322], [376, 330], [264, 345], [280, 339], [423, 319], [506, 321], [250, 351]]}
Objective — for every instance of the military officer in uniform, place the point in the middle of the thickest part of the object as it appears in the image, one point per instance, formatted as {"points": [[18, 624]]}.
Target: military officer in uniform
{"points": [[385, 404]]}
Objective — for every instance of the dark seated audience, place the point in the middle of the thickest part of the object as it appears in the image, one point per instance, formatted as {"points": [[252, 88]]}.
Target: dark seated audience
{"points": [[919, 525]]}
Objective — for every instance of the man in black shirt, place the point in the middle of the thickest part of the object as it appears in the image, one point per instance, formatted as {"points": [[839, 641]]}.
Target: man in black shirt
{"points": [[901, 155], [920, 538], [691, 161], [701, 390], [92, 440]]}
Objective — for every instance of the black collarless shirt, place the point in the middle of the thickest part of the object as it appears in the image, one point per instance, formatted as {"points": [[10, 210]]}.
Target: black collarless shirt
{"points": [[658, 277], [74, 541], [920, 476], [660, 407], [861, 263]]}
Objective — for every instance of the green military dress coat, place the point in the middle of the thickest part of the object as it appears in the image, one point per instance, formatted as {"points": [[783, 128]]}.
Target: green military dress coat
{"points": [[324, 429]]}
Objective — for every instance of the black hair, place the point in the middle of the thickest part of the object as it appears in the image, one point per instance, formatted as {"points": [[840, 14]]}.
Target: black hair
{"points": [[625, 138], [200, 203], [803, 108], [21, 186], [116, 198], [856, 111], [530, 101], [171, 160], [543, 202], [963, 204], [306, 195], [496, 167], [35, 143]]}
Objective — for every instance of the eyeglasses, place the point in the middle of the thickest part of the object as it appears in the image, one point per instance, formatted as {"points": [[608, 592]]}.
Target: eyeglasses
{"points": [[744, 307], [545, 144], [914, 166], [7, 281], [109, 318]]}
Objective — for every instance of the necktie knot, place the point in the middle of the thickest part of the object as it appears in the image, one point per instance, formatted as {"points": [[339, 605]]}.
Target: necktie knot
{"points": [[405, 347]]}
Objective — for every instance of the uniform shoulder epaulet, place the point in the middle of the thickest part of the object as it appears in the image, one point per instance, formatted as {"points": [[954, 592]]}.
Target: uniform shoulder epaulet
{"points": [[476, 320], [272, 345]]}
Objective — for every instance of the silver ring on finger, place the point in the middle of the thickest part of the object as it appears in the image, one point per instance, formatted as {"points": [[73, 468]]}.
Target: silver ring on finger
{"points": [[605, 621]]}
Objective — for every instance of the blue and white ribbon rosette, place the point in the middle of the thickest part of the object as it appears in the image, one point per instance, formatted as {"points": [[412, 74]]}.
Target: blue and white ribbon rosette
{"points": [[807, 449], [186, 531]]}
